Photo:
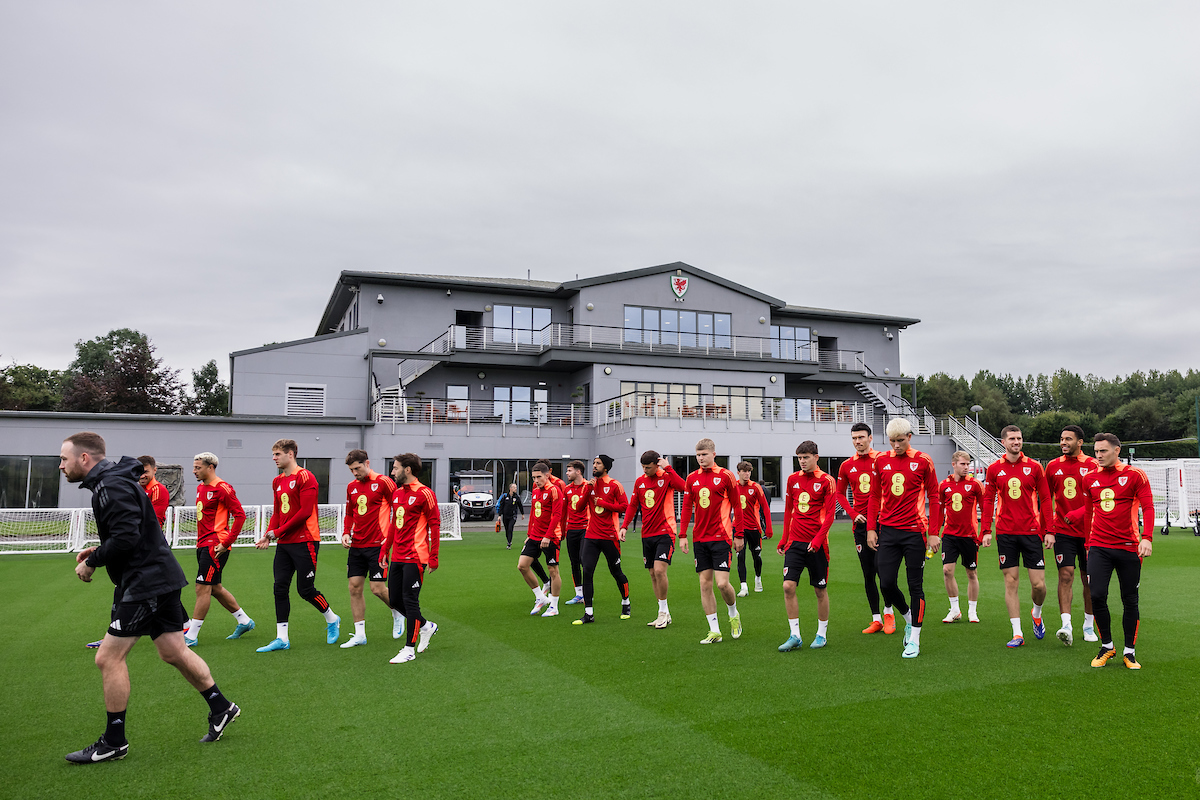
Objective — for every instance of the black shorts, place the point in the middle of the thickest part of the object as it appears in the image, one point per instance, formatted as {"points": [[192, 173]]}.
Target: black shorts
{"points": [[753, 540], [1067, 549], [533, 548], [955, 546], [152, 617], [797, 558], [211, 566], [657, 548], [362, 562], [712, 555], [1012, 548]]}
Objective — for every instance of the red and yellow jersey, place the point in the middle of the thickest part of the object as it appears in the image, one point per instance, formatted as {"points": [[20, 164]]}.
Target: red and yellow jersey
{"points": [[545, 513], [294, 516], [809, 505], [656, 499], [899, 490], [1016, 497], [562, 494], [577, 505], [960, 502], [605, 503], [856, 474], [712, 494], [160, 498], [368, 506], [215, 504], [1112, 499], [414, 528], [753, 499], [1064, 476]]}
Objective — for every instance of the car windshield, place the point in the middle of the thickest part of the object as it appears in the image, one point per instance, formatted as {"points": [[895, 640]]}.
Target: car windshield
{"points": [[466, 487]]}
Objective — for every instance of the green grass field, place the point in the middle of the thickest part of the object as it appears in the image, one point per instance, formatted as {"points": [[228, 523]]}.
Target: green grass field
{"points": [[508, 705]]}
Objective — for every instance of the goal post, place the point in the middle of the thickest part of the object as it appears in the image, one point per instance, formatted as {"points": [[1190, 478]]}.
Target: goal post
{"points": [[39, 530], [451, 525]]}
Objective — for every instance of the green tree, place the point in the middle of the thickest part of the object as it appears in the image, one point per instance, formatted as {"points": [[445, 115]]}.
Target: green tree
{"points": [[118, 372], [942, 394], [24, 387], [1138, 420], [210, 396], [996, 413], [1068, 392]]}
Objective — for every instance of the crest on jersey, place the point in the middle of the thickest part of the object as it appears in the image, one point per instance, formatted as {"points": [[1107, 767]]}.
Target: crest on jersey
{"points": [[660, 483], [1028, 470], [374, 487], [679, 286], [412, 500], [913, 466], [606, 488], [717, 481], [1083, 471], [1121, 480], [293, 485], [210, 495]]}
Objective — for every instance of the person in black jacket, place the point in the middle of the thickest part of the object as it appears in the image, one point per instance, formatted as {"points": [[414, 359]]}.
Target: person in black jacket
{"points": [[146, 600], [509, 505]]}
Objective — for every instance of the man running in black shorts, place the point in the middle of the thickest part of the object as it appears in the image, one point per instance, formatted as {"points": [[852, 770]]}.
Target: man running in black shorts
{"points": [[146, 602]]}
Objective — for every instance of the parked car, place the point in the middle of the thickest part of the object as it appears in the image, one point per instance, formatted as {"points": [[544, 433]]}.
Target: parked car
{"points": [[476, 501]]}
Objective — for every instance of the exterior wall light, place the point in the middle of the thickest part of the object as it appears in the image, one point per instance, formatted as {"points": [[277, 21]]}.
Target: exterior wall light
{"points": [[482, 375], [590, 307], [774, 379], [608, 370], [383, 342]]}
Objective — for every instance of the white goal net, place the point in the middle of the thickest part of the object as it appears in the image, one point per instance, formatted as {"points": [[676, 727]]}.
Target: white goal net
{"points": [[39, 530]]}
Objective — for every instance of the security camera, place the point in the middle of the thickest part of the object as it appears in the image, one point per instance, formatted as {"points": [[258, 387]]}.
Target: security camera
{"points": [[379, 299], [891, 336], [629, 442]]}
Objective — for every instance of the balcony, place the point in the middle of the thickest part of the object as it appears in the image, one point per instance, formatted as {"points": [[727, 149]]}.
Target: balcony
{"points": [[558, 336]]}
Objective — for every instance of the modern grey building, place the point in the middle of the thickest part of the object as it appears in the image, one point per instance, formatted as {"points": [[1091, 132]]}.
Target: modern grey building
{"points": [[488, 374]]}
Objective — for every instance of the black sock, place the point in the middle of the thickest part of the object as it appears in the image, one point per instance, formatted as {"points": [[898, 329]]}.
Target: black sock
{"points": [[114, 734], [216, 701]]}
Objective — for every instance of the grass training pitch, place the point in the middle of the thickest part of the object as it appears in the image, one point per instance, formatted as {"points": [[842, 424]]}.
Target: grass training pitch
{"points": [[507, 705]]}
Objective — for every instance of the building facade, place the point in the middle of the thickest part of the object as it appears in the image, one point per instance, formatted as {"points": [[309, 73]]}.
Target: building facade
{"points": [[490, 375]]}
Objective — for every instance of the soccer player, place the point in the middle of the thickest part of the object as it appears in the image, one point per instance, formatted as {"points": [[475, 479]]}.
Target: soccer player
{"points": [[219, 520], [654, 494], [605, 500], [1064, 476], [368, 508], [510, 505], [411, 546], [1017, 499], [711, 492], [576, 492], [543, 540], [1113, 495], [809, 505], [147, 580], [753, 501], [961, 496], [857, 474], [160, 496], [294, 525], [897, 528]]}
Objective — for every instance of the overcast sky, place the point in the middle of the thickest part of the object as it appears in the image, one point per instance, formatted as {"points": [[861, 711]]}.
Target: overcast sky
{"points": [[1024, 177]]}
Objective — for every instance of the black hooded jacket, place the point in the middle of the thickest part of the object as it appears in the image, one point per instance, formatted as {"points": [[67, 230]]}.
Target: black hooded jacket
{"points": [[132, 546]]}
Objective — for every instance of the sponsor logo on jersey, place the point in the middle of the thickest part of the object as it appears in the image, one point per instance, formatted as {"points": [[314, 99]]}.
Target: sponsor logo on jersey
{"points": [[887, 467], [853, 470]]}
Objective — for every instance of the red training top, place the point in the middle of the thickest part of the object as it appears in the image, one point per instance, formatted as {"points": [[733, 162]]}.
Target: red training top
{"points": [[545, 514], [607, 501], [160, 498], [294, 517], [1113, 497], [367, 509], [753, 499], [656, 498], [215, 502], [562, 494], [577, 507], [712, 492], [1064, 476], [960, 502], [808, 509], [856, 473], [1016, 494], [414, 526], [897, 489]]}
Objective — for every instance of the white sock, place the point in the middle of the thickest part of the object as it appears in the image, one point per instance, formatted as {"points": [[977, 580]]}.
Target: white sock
{"points": [[428, 626], [822, 626], [329, 615], [1089, 621], [662, 607], [915, 636], [588, 610], [954, 604], [538, 594], [732, 610], [554, 602], [1128, 651], [242, 617], [1066, 618], [409, 649], [973, 608], [888, 610], [744, 586], [579, 591], [712, 623], [1037, 611], [794, 624], [194, 628], [1016, 626], [907, 615], [877, 618], [1107, 645], [281, 631], [360, 628]]}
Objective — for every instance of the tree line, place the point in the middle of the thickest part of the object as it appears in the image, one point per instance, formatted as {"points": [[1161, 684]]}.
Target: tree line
{"points": [[1140, 407], [115, 373]]}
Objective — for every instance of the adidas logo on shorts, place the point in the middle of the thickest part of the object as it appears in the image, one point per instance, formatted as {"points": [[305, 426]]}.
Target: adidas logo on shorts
{"points": [[725, 564], [821, 583], [116, 625], [1041, 563], [311, 574], [417, 585]]}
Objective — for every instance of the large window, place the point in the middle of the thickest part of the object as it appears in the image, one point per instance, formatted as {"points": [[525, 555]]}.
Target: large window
{"points": [[521, 405], [792, 343], [739, 402], [28, 481], [643, 398], [671, 327], [518, 323]]}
